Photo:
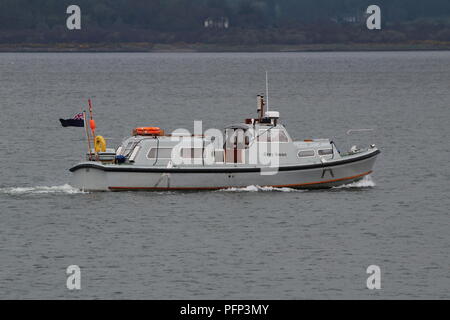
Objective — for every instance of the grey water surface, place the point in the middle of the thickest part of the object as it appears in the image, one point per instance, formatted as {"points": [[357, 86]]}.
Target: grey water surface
{"points": [[246, 243]]}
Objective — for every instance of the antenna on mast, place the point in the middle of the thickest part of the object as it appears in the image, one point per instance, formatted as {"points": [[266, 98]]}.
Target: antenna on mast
{"points": [[267, 90], [272, 116]]}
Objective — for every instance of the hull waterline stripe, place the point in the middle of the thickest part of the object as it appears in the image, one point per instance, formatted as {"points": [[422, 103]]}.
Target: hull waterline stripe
{"points": [[119, 168], [219, 188]]}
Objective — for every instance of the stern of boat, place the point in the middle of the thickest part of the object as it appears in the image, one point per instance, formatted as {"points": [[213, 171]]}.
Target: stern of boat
{"points": [[89, 178]]}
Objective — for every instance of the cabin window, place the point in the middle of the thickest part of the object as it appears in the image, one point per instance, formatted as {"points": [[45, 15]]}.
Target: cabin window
{"points": [[161, 153], [235, 138], [325, 152], [305, 153], [278, 136], [219, 156], [192, 153]]}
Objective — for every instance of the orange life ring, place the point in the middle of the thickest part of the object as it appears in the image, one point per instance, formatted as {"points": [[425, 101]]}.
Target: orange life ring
{"points": [[147, 131]]}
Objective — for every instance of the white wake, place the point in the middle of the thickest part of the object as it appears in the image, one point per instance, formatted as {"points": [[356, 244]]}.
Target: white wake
{"points": [[366, 182], [254, 188], [64, 189]]}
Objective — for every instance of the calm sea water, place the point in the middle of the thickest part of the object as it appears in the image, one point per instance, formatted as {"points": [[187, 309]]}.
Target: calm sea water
{"points": [[245, 243]]}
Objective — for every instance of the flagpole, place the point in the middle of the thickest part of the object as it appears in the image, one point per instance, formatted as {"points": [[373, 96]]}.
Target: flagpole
{"points": [[87, 134], [92, 125]]}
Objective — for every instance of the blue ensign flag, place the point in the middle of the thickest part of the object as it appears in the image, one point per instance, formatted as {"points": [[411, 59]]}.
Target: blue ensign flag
{"points": [[76, 121]]}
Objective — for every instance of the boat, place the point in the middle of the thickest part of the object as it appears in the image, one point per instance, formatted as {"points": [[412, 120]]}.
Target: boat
{"points": [[258, 151]]}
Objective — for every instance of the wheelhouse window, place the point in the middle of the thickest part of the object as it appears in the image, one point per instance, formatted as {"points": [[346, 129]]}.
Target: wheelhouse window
{"points": [[273, 135], [325, 152], [263, 136], [130, 146], [160, 153], [305, 153]]}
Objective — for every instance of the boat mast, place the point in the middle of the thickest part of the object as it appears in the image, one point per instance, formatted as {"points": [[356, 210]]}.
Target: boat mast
{"points": [[87, 134], [260, 104]]}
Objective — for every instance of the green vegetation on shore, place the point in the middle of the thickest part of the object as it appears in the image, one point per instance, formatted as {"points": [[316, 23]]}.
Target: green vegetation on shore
{"points": [[252, 25]]}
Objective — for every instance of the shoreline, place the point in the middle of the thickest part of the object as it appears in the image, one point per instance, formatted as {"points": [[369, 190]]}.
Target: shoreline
{"points": [[200, 47]]}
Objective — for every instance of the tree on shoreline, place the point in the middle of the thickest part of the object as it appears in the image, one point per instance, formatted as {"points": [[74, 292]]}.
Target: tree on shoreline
{"points": [[251, 21]]}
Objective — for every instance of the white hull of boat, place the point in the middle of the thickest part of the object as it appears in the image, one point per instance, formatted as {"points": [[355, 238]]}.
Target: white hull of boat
{"points": [[92, 176]]}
